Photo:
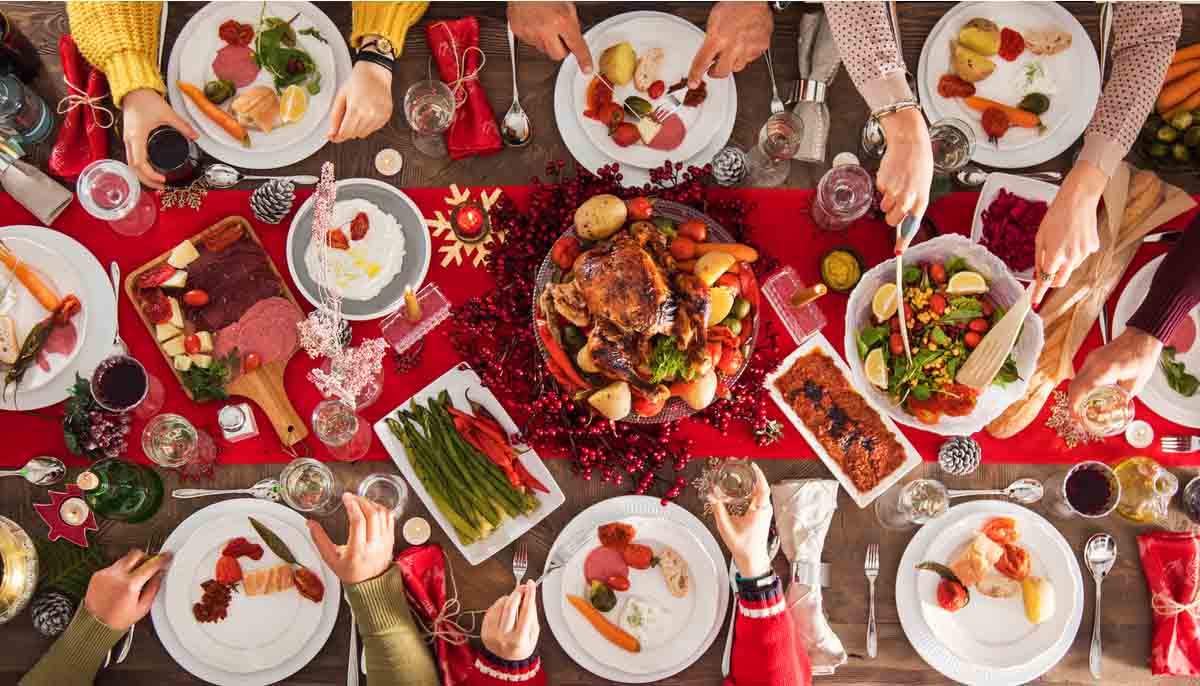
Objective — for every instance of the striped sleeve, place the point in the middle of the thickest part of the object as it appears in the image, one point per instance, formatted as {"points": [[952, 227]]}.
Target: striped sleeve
{"points": [[493, 670]]}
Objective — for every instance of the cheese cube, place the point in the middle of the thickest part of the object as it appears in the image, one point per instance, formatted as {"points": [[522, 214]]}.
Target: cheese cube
{"points": [[174, 347], [177, 280], [176, 319], [201, 361], [182, 255], [165, 332], [182, 362], [206, 341]]}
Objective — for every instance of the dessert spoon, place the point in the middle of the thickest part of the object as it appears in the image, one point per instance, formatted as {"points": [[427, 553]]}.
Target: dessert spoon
{"points": [[515, 128], [1024, 491], [267, 489], [973, 176], [40, 471], [224, 176], [1100, 553]]}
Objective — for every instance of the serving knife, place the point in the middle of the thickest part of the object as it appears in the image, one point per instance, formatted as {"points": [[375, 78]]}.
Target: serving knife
{"points": [[1164, 237], [904, 235]]}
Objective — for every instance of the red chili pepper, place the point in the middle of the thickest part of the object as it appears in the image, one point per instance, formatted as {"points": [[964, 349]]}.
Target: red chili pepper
{"points": [[529, 479], [487, 426], [749, 285], [559, 357]]}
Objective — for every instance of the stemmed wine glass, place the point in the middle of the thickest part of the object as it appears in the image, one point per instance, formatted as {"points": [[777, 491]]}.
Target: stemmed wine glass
{"points": [[778, 142], [429, 109], [915, 504], [953, 142]]}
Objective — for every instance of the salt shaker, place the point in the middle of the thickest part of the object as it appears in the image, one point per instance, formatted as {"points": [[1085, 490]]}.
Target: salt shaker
{"points": [[237, 422]]}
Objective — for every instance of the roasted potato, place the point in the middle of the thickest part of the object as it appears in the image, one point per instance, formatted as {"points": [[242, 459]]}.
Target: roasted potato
{"points": [[618, 62], [600, 216], [980, 35], [584, 359], [614, 400], [712, 265], [699, 392], [968, 64]]}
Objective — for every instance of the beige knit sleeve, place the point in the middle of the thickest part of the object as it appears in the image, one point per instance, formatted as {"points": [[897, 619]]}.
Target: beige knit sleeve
{"points": [[867, 42]]}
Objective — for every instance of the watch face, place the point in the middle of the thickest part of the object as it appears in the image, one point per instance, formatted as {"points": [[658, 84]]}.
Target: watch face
{"points": [[385, 46]]}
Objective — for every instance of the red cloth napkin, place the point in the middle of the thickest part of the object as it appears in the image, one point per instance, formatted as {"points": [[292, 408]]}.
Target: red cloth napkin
{"points": [[455, 46], [69, 155], [1171, 563], [424, 571]]}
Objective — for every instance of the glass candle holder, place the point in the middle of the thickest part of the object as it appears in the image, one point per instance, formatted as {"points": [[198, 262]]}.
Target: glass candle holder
{"points": [[307, 485], [782, 291], [403, 332], [429, 109], [344, 434]]}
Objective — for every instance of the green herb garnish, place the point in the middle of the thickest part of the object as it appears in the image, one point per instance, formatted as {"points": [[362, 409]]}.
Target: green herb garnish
{"points": [[1178, 377], [275, 50], [912, 274], [312, 31], [209, 384], [668, 361], [1007, 374]]}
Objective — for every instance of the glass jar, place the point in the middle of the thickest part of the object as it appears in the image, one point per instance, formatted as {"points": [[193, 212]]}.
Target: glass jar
{"points": [[346, 435], [23, 112], [1146, 490], [18, 569]]}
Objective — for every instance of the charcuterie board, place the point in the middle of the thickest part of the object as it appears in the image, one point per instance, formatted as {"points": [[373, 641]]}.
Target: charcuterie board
{"points": [[251, 282]]}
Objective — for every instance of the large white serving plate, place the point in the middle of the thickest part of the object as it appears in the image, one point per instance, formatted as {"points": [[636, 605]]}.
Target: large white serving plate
{"points": [[264, 640], [18, 302], [1075, 71], [1157, 394], [69, 267], [457, 382], [584, 524], [675, 640], [989, 641], [860, 498]]}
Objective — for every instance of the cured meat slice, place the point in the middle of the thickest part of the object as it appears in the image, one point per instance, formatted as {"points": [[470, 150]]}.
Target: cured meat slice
{"points": [[1184, 335], [236, 63], [671, 135], [269, 580], [604, 562], [267, 329]]}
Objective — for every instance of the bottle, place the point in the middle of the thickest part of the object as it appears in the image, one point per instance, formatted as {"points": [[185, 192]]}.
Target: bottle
{"points": [[120, 490], [1146, 490], [23, 112]]}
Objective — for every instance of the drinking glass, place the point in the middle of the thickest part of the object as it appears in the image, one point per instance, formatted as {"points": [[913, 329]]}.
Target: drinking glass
{"points": [[735, 480], [1106, 411], [872, 141], [346, 435], [387, 490], [429, 109], [156, 397], [109, 190], [171, 441], [173, 155], [844, 194], [1089, 489], [778, 141], [916, 503], [307, 485], [953, 143], [120, 383]]}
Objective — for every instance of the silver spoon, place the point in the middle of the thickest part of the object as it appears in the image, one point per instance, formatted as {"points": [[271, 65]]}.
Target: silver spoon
{"points": [[267, 489], [973, 176], [1024, 491], [515, 128], [224, 176], [114, 271], [40, 471], [1100, 553]]}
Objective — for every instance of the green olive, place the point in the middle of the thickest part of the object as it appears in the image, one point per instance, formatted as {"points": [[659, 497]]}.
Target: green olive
{"points": [[741, 308], [1157, 150], [1180, 153], [639, 106], [1182, 120], [573, 337], [1191, 137], [735, 325], [1036, 103], [1167, 134]]}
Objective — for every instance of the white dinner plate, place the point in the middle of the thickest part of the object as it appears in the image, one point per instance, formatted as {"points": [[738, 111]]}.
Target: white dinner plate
{"points": [[680, 40], [1157, 395], [1075, 71], [265, 639], [675, 639], [458, 381], [615, 509], [83, 273], [285, 147], [989, 641], [1023, 186], [585, 152]]}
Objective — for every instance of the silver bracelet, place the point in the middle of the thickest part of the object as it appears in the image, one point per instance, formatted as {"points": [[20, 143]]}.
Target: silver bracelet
{"points": [[895, 107]]}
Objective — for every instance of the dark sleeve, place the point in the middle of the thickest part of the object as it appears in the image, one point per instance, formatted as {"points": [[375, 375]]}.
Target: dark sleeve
{"points": [[1175, 289]]}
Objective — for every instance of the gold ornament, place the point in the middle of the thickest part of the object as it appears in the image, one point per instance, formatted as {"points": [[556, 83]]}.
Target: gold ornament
{"points": [[455, 249], [1062, 420], [189, 197]]}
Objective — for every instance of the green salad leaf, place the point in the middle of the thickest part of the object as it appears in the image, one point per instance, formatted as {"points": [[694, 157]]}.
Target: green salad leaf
{"points": [[668, 361], [939, 336], [872, 336], [912, 274], [954, 265], [1008, 373], [1178, 377], [209, 384]]}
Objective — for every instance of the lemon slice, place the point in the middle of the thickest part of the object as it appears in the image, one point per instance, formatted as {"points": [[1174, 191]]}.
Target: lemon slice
{"points": [[966, 283], [876, 368], [293, 104], [884, 304], [721, 304]]}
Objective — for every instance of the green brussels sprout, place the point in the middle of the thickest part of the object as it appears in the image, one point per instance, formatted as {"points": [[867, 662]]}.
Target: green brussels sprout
{"points": [[1036, 103], [1182, 120], [1180, 153], [734, 325], [219, 91], [1158, 150], [1167, 134], [602, 597], [1191, 137]]}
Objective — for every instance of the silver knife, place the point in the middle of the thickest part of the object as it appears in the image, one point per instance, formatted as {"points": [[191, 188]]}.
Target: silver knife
{"points": [[904, 234], [1164, 237]]}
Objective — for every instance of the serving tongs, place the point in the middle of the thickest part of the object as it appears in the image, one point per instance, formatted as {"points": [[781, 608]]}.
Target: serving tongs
{"points": [[904, 235]]}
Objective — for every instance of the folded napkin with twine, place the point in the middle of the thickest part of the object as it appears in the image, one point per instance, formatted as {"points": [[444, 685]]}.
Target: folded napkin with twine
{"points": [[819, 61], [31, 187], [1171, 563], [455, 46]]}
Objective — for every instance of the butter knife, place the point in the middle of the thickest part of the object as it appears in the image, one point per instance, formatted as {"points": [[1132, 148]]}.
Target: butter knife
{"points": [[904, 235], [1164, 237]]}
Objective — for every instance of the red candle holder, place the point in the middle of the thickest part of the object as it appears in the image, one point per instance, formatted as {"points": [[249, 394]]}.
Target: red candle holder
{"points": [[470, 222], [52, 514]]}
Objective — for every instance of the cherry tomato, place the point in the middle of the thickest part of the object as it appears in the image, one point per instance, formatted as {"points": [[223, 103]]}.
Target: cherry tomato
{"points": [[564, 252], [648, 407], [156, 276], [937, 272], [191, 344], [995, 123], [894, 322], [337, 240], [978, 325], [731, 361], [195, 298], [951, 596], [251, 362], [617, 583], [625, 134], [638, 556], [714, 349], [683, 248], [694, 229], [896, 343], [1015, 562], [972, 339], [730, 281], [1002, 530], [986, 307], [907, 313], [1012, 44], [639, 208], [951, 86], [656, 89], [598, 95], [937, 303], [616, 535]]}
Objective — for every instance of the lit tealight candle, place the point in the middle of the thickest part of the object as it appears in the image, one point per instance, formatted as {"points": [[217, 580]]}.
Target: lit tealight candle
{"points": [[416, 531], [74, 511], [1139, 434], [389, 162]]}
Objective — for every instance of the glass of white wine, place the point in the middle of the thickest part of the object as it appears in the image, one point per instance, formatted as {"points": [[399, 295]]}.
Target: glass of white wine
{"points": [[429, 109], [307, 485], [735, 480], [918, 502]]}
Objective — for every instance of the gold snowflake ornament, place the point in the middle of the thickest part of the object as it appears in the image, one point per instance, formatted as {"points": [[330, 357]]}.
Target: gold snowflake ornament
{"points": [[456, 249]]}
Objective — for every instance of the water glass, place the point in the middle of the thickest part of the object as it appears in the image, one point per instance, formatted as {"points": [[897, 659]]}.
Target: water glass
{"points": [[735, 480], [778, 142], [844, 194], [1106, 411], [916, 503], [429, 109], [953, 142], [171, 441], [387, 490], [307, 485], [23, 112], [109, 190], [346, 435]]}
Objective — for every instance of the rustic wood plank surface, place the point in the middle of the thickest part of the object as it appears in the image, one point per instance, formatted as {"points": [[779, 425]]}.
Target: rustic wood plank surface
{"points": [[1126, 614]]}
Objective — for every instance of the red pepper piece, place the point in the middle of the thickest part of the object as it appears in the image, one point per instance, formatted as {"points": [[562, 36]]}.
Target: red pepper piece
{"points": [[559, 357], [529, 479]]}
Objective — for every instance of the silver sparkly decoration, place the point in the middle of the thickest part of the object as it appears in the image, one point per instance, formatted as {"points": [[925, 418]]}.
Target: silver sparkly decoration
{"points": [[272, 201], [959, 456], [730, 166]]}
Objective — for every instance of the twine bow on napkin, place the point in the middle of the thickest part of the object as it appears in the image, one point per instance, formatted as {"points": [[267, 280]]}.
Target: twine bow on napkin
{"points": [[77, 97], [1163, 604], [444, 625], [1171, 566], [463, 75]]}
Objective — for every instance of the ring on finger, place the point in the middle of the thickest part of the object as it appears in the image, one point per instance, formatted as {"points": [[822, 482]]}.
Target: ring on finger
{"points": [[1045, 275]]}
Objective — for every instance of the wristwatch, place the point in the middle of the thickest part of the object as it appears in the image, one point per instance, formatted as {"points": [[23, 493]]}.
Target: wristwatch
{"points": [[377, 49]]}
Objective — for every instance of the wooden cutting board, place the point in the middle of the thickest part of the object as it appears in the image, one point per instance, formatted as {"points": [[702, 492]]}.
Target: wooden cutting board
{"points": [[263, 385]]}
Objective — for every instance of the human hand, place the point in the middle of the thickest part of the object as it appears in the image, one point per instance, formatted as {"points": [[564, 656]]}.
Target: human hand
{"points": [[363, 104], [736, 34], [746, 536], [368, 550], [552, 28], [121, 593], [1067, 234], [143, 111], [1128, 361], [906, 170], [510, 626]]}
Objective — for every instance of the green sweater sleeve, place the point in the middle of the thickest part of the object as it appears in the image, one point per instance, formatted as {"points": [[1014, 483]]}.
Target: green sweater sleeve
{"points": [[75, 657], [396, 653]]}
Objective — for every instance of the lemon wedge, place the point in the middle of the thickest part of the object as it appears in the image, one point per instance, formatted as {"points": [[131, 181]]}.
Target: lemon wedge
{"points": [[876, 368], [885, 302], [721, 304], [293, 104], [966, 283]]}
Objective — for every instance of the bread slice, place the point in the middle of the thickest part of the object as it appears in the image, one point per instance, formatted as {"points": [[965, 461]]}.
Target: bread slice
{"points": [[648, 66], [9, 345]]}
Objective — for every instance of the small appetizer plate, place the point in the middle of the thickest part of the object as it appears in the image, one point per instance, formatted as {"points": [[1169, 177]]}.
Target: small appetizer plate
{"points": [[1022, 186]]}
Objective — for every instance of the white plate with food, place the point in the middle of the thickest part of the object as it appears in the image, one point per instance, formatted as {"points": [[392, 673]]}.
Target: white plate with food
{"points": [[582, 528], [654, 603], [1031, 191], [944, 406], [884, 444], [972, 41], [68, 267], [586, 152], [270, 630], [992, 639], [382, 245], [461, 382], [1158, 394], [279, 133], [643, 58]]}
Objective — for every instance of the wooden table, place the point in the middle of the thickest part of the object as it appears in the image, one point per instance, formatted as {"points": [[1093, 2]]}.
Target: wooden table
{"points": [[1126, 612]]}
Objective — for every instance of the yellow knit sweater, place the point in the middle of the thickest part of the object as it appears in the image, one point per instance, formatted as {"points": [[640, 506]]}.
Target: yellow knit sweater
{"points": [[121, 38]]}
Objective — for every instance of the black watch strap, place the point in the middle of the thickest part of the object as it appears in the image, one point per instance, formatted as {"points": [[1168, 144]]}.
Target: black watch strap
{"points": [[371, 56]]}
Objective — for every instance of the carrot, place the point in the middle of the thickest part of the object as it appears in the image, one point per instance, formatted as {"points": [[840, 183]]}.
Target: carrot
{"points": [[615, 634], [1181, 69], [1183, 54], [1016, 117], [44, 294], [740, 252], [1188, 105], [1177, 91], [218, 115]]}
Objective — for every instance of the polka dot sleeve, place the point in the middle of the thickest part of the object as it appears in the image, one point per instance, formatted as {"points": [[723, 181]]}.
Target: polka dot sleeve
{"points": [[865, 38]]}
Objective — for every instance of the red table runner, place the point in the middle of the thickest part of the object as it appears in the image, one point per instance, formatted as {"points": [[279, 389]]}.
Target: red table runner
{"points": [[782, 226]]}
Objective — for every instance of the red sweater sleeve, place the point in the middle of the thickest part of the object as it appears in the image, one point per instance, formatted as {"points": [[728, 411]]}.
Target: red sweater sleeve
{"points": [[1175, 289], [764, 646], [491, 670]]}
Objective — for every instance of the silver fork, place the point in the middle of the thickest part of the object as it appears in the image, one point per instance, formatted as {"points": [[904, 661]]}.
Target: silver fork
{"points": [[565, 553], [662, 112], [776, 101], [1180, 444], [871, 569], [520, 563]]}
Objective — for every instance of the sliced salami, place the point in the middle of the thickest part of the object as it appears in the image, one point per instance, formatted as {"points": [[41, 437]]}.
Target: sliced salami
{"points": [[236, 63], [604, 562]]}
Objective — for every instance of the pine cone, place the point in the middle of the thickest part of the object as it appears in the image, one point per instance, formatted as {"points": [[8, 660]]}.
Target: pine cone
{"points": [[729, 166], [959, 456], [272, 201], [51, 612]]}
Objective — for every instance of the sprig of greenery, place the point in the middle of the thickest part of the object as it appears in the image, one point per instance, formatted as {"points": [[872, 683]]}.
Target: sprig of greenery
{"points": [[209, 384], [67, 568], [668, 361], [1178, 377], [76, 422]]}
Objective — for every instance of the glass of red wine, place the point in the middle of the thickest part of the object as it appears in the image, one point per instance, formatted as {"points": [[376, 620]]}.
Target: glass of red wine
{"points": [[172, 155], [1089, 489], [120, 383]]}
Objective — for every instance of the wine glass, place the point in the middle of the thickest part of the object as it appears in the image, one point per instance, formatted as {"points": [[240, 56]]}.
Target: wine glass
{"points": [[429, 109], [109, 190], [953, 143], [346, 434], [778, 142], [1106, 411], [387, 490], [171, 441], [307, 485], [916, 503], [735, 480]]}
